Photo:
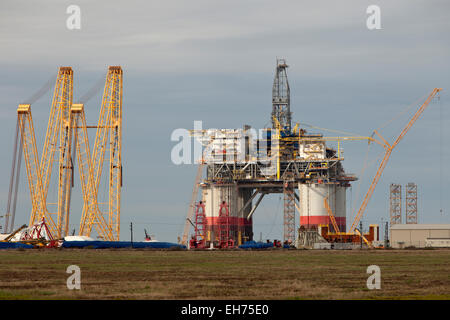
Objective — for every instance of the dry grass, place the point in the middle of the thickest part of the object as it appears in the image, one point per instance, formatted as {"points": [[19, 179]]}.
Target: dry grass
{"points": [[274, 274]]}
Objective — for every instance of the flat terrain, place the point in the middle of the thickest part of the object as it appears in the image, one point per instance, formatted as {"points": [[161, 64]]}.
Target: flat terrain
{"points": [[274, 274]]}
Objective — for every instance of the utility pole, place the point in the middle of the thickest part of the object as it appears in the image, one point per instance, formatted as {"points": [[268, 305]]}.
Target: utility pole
{"points": [[361, 229], [386, 235], [131, 230]]}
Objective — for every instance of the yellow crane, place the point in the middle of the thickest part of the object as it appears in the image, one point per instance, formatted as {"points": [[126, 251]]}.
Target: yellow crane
{"points": [[108, 139], [67, 127], [39, 175], [389, 148], [331, 215], [91, 214]]}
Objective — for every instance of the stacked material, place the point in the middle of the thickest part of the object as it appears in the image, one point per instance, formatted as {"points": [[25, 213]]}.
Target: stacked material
{"points": [[120, 244], [256, 245], [14, 245]]}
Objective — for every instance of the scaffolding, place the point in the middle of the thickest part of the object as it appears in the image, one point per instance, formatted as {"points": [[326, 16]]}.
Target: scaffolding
{"points": [[395, 203], [289, 209], [225, 239], [411, 203], [200, 234]]}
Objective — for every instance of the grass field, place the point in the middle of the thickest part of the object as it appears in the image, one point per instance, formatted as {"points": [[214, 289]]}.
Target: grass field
{"points": [[274, 274]]}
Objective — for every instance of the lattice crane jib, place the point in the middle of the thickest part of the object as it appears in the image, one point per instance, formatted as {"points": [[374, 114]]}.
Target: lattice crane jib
{"points": [[30, 154], [58, 137], [91, 215], [108, 140], [389, 148], [65, 152]]}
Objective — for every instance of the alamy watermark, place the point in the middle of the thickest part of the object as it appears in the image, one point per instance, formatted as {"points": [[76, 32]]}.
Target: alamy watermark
{"points": [[224, 145], [74, 280], [373, 22], [374, 281], [73, 22]]}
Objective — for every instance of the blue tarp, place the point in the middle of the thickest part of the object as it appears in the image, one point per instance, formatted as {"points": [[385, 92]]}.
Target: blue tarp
{"points": [[120, 244], [14, 245], [256, 245]]}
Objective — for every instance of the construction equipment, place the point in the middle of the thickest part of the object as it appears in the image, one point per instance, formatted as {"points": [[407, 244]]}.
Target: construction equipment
{"points": [[389, 148], [225, 239], [147, 236], [108, 138], [67, 133], [9, 237], [191, 209], [331, 215], [28, 140], [200, 231], [39, 175], [359, 233], [90, 205]]}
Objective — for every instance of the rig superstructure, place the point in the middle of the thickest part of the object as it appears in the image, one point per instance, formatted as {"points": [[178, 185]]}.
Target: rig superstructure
{"points": [[244, 165]]}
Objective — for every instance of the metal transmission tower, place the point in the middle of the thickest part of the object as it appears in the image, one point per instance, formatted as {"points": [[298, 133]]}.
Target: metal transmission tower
{"points": [[281, 97], [395, 203], [289, 209], [411, 203]]}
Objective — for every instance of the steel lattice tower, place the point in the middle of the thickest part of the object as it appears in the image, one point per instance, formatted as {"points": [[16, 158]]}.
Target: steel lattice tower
{"points": [[395, 203], [281, 97], [411, 203], [289, 210]]}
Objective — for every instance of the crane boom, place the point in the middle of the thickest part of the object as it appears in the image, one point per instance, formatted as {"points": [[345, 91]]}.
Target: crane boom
{"points": [[62, 99], [91, 215], [389, 149], [28, 140], [65, 158], [109, 137], [191, 209], [331, 215]]}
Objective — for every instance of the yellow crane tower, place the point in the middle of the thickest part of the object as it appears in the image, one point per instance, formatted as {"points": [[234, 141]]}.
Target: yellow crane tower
{"points": [[91, 214], [108, 140], [67, 129], [389, 148], [39, 175]]}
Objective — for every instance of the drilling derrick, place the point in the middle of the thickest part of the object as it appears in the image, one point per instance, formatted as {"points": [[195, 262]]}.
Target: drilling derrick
{"points": [[281, 98]]}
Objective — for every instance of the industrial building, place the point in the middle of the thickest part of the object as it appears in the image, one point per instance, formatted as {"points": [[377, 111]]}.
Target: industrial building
{"points": [[420, 235]]}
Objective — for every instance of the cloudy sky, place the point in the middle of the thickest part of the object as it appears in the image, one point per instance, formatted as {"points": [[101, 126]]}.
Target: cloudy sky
{"points": [[214, 61]]}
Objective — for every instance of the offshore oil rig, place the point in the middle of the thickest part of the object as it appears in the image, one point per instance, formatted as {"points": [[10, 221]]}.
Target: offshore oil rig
{"points": [[244, 165]]}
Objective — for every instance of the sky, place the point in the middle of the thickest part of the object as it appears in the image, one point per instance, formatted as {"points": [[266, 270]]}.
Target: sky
{"points": [[214, 61]]}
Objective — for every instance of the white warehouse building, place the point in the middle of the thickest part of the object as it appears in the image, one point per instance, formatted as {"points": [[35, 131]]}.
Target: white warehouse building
{"points": [[420, 235]]}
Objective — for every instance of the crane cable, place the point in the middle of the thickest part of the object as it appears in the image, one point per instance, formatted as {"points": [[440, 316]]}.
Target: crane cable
{"points": [[331, 130], [43, 90], [93, 90], [410, 106]]}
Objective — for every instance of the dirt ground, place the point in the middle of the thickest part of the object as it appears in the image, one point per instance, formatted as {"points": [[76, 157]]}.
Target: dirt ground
{"points": [[273, 274]]}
